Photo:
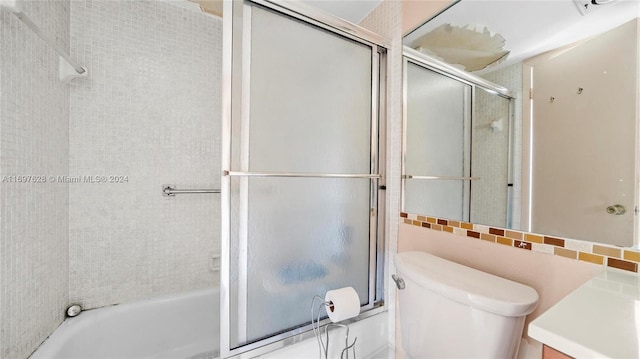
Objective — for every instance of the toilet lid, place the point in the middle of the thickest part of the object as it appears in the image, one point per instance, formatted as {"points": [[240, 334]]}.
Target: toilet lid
{"points": [[467, 285]]}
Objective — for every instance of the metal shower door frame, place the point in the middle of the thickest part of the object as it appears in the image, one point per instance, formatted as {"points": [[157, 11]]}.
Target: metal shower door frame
{"points": [[236, 36], [411, 56]]}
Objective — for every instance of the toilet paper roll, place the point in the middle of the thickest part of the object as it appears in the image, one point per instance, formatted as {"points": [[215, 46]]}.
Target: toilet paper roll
{"points": [[344, 303]]}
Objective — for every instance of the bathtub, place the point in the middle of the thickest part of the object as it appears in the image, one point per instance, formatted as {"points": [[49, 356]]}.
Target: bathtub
{"points": [[183, 326], [178, 326]]}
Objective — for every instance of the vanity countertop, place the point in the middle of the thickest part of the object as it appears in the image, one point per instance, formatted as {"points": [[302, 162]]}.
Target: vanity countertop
{"points": [[600, 319]]}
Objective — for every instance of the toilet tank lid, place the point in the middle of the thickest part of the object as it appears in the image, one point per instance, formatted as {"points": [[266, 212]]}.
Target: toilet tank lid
{"points": [[467, 285]]}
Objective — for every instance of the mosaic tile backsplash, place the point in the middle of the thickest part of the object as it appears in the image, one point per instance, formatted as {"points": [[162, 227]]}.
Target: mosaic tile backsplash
{"points": [[34, 215], [615, 257], [150, 112]]}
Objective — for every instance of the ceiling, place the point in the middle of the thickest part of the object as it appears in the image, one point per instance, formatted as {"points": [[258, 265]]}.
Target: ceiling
{"points": [[531, 27], [350, 10], [213, 7]]}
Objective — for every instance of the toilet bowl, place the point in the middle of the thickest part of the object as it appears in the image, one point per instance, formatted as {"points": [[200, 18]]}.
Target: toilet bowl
{"points": [[448, 310]]}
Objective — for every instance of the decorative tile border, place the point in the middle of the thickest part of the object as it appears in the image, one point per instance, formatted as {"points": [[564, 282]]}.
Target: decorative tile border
{"points": [[615, 257]]}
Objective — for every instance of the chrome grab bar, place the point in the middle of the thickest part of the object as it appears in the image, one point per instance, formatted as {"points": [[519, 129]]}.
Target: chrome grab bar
{"points": [[170, 191], [293, 174], [441, 178]]}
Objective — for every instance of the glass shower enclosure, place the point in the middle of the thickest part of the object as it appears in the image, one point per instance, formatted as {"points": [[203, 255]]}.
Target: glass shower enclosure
{"points": [[301, 169]]}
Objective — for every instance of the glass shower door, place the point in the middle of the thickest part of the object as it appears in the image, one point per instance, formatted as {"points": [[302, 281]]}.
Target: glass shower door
{"points": [[301, 177], [437, 152]]}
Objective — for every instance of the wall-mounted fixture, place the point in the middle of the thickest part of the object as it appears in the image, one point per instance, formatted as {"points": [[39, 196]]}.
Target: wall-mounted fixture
{"points": [[74, 310], [68, 68], [616, 209], [170, 190], [587, 6], [496, 125]]}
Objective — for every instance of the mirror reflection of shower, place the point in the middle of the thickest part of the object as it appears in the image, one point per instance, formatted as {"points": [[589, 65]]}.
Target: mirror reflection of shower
{"points": [[458, 149]]}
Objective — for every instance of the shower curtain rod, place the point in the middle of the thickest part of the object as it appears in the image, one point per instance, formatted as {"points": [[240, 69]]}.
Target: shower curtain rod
{"points": [[12, 5]]}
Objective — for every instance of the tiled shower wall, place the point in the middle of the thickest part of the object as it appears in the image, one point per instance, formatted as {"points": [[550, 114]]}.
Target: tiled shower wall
{"points": [[34, 213], [489, 159], [150, 112], [386, 20], [511, 78]]}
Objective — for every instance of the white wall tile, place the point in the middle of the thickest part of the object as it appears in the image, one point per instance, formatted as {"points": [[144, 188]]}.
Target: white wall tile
{"points": [[150, 110], [581, 246], [459, 231], [542, 248], [386, 20], [511, 78], [481, 228], [34, 134], [489, 159]]}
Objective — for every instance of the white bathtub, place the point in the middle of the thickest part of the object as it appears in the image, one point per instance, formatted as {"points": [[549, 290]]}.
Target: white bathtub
{"points": [[178, 326], [183, 326]]}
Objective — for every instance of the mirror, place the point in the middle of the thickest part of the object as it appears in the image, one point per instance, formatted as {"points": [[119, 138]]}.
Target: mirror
{"points": [[457, 146], [558, 159]]}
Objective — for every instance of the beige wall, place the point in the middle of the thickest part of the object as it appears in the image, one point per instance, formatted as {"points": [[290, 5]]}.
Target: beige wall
{"points": [[577, 133], [416, 12], [553, 277]]}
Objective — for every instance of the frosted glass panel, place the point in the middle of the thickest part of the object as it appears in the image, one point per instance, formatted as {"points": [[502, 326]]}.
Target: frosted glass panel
{"points": [[437, 144], [443, 199], [310, 99], [435, 134], [303, 105], [304, 236]]}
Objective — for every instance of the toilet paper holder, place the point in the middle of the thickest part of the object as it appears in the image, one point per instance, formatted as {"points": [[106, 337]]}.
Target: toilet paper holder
{"points": [[330, 307]]}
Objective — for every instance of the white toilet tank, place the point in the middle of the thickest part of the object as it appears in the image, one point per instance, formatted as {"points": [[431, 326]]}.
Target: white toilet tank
{"points": [[448, 310]]}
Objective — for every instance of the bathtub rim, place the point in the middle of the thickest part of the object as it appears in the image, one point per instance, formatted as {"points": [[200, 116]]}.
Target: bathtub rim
{"points": [[54, 341], [306, 335]]}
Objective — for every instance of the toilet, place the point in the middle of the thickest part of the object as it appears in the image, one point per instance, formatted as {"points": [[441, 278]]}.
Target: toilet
{"points": [[448, 310]]}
